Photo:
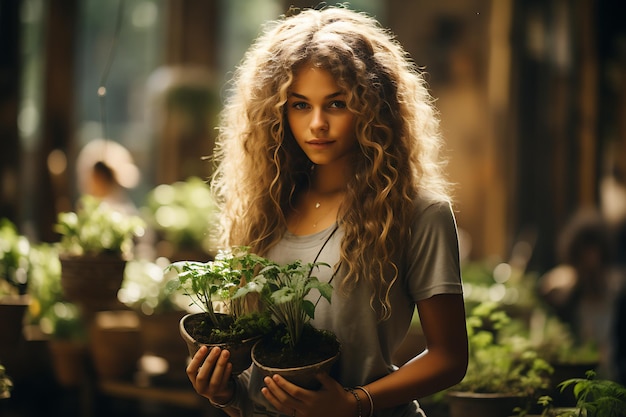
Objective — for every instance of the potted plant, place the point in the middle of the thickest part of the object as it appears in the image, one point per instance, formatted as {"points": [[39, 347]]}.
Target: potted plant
{"points": [[592, 398], [14, 271], [504, 371], [96, 242], [222, 320], [67, 343], [294, 348]]}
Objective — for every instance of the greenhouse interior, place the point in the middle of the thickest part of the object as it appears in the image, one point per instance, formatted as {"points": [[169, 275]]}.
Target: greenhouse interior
{"points": [[111, 112]]}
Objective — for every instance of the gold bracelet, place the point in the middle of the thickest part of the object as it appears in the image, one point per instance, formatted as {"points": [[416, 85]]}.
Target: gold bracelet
{"points": [[369, 397], [358, 401]]}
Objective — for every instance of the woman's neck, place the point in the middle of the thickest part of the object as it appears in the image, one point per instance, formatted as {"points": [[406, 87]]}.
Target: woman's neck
{"points": [[328, 180]]}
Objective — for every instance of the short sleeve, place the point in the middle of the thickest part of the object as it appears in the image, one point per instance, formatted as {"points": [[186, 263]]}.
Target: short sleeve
{"points": [[432, 258]]}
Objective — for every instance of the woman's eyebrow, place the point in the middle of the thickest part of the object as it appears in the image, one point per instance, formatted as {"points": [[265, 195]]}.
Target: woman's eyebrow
{"points": [[302, 97]]}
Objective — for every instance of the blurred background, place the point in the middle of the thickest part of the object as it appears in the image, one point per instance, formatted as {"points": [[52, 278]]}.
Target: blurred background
{"points": [[532, 98]]}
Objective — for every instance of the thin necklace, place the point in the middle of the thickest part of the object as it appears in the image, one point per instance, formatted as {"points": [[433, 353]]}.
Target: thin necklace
{"points": [[322, 216]]}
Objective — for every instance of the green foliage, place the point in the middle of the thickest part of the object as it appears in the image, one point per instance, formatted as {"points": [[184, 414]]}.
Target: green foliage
{"points": [[594, 398], [555, 342], [597, 397], [217, 280], [63, 321], [244, 327], [183, 213], [283, 290], [145, 288], [14, 261], [501, 362], [44, 280], [97, 228], [6, 384]]}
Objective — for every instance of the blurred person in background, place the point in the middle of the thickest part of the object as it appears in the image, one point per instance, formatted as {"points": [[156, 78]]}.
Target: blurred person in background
{"points": [[106, 170], [583, 288]]}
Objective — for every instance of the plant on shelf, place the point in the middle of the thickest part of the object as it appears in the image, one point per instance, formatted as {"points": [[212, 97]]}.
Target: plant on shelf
{"points": [[294, 342], [97, 228], [501, 364], [96, 242], [222, 319]]}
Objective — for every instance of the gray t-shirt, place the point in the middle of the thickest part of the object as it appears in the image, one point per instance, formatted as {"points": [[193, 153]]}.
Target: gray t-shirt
{"points": [[430, 267]]}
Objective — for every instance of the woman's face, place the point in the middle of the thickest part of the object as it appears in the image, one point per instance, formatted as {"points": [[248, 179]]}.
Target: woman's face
{"points": [[319, 118]]}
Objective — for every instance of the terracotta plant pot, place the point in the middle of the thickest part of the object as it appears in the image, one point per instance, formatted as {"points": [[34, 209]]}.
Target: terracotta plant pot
{"points": [[240, 355], [69, 359], [473, 404], [92, 281], [115, 344]]}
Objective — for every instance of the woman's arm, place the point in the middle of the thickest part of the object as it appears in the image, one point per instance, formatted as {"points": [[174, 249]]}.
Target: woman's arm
{"points": [[440, 366]]}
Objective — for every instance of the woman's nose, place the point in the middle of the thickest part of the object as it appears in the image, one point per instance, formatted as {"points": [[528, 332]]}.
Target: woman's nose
{"points": [[319, 122]]}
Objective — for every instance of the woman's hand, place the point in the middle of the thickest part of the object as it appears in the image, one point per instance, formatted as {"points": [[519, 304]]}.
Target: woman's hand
{"points": [[210, 374], [330, 400]]}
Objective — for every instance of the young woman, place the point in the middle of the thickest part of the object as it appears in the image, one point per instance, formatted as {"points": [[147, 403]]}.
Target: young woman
{"points": [[328, 149]]}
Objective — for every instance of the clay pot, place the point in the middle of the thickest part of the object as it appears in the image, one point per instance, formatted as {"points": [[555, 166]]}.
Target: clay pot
{"points": [[92, 281], [474, 404], [240, 356], [115, 344]]}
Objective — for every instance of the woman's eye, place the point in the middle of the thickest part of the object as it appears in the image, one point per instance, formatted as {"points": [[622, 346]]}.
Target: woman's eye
{"points": [[299, 105], [337, 104]]}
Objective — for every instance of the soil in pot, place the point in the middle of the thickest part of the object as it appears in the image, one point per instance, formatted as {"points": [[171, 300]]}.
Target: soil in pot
{"points": [[238, 337], [316, 351]]}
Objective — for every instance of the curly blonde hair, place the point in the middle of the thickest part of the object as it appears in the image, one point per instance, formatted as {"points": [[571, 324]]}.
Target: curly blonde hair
{"points": [[261, 169]]}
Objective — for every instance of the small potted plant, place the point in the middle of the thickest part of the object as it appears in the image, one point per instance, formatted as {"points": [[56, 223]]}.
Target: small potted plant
{"points": [[67, 343], [222, 319], [504, 370], [96, 242], [294, 349]]}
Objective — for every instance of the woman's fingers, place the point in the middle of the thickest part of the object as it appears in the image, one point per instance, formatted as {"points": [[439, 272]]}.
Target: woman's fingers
{"points": [[282, 394], [196, 363], [209, 371]]}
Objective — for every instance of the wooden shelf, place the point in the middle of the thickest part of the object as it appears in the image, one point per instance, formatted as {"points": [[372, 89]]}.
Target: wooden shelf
{"points": [[174, 396]]}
